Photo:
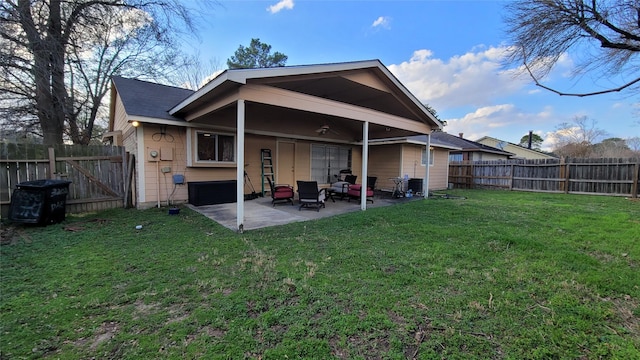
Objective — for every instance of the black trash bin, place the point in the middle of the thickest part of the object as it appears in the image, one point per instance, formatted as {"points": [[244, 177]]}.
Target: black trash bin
{"points": [[40, 202]]}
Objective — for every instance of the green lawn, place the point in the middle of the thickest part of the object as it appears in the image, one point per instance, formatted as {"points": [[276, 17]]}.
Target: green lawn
{"points": [[500, 275]]}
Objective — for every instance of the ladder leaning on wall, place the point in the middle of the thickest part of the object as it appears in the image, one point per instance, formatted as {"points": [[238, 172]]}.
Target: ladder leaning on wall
{"points": [[267, 169]]}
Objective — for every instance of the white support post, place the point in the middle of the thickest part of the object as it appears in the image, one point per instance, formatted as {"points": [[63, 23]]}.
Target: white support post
{"points": [[365, 165], [425, 182], [240, 167]]}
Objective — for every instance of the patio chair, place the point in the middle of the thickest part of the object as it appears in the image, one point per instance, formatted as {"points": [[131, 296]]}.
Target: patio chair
{"points": [[355, 190], [310, 196], [341, 187], [280, 193]]}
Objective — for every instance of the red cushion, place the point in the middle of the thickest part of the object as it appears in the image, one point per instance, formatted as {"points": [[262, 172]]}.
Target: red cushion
{"points": [[354, 190], [283, 192]]}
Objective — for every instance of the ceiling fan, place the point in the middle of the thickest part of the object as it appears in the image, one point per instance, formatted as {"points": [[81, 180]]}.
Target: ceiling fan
{"points": [[322, 130]]}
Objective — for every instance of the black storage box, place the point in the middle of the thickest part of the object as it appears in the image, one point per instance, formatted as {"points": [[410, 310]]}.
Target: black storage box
{"points": [[212, 192], [39, 202]]}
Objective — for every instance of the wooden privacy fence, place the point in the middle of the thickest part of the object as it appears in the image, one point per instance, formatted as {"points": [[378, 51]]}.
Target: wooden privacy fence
{"points": [[99, 175], [618, 177]]}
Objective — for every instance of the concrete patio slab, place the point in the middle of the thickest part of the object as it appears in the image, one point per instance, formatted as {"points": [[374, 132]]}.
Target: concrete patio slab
{"points": [[259, 213]]}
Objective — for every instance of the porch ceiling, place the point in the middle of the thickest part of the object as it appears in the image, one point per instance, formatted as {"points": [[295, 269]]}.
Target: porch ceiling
{"points": [[350, 92], [292, 123]]}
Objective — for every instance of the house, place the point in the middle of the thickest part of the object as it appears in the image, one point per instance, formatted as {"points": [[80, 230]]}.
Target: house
{"points": [[293, 123], [519, 152], [407, 158], [470, 150]]}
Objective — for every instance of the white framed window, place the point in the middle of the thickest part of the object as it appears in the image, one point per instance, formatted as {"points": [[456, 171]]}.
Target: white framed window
{"points": [[327, 161], [212, 148], [424, 157]]}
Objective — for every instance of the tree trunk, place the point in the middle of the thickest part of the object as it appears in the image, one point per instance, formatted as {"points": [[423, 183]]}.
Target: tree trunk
{"points": [[48, 70]]}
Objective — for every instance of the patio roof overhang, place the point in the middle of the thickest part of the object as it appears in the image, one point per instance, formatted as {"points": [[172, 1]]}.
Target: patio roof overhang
{"points": [[295, 101]]}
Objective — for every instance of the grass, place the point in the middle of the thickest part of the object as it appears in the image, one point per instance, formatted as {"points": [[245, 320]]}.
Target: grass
{"points": [[501, 275]]}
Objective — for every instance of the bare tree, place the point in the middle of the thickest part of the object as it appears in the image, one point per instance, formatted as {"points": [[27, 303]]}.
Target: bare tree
{"points": [[634, 144], [605, 33], [195, 73], [577, 138], [57, 56], [612, 148]]}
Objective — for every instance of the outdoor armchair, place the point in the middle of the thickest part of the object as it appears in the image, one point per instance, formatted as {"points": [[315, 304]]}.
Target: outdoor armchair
{"points": [[355, 191], [342, 187], [280, 193], [310, 196]]}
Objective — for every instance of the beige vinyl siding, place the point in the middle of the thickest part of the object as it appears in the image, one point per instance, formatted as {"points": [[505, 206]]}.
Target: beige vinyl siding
{"points": [[480, 156], [412, 161], [121, 120], [439, 172], [384, 163]]}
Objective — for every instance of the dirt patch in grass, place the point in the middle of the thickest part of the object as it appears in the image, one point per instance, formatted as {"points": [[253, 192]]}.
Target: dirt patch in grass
{"points": [[12, 234], [627, 309], [106, 332]]}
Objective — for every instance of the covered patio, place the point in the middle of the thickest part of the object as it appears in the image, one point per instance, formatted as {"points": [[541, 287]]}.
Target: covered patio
{"points": [[259, 213], [347, 103]]}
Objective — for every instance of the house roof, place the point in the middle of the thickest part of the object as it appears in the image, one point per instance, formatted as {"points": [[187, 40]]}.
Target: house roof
{"points": [[338, 82], [292, 101], [146, 99], [515, 147], [466, 145]]}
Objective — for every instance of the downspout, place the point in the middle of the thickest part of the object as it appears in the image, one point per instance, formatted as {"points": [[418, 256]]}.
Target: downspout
{"points": [[365, 165], [425, 183], [240, 167]]}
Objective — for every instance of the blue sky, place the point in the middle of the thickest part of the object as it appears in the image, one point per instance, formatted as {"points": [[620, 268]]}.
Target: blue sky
{"points": [[449, 54]]}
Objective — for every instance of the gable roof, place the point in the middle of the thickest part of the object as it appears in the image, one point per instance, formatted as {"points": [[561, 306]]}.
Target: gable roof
{"points": [[147, 99], [516, 147], [338, 82]]}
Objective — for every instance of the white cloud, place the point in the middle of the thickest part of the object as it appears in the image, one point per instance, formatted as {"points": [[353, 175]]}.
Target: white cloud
{"points": [[281, 5], [474, 78], [382, 21], [504, 121]]}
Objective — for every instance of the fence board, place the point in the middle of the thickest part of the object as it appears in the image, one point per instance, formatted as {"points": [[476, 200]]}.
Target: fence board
{"points": [[577, 176], [97, 173]]}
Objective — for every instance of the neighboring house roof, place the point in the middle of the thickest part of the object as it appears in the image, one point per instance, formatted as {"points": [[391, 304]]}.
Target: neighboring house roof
{"points": [[466, 145], [517, 150], [146, 99]]}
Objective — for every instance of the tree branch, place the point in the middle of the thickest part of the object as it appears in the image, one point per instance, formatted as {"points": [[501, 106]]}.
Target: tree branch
{"points": [[538, 83]]}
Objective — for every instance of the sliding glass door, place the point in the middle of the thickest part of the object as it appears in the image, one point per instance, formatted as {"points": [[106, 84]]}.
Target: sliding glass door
{"points": [[327, 161]]}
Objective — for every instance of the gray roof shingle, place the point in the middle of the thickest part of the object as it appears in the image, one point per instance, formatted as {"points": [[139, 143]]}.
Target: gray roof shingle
{"points": [[142, 98]]}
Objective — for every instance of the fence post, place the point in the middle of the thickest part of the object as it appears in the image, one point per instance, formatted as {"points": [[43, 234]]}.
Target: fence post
{"points": [[636, 174], [52, 163], [511, 178], [566, 176]]}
